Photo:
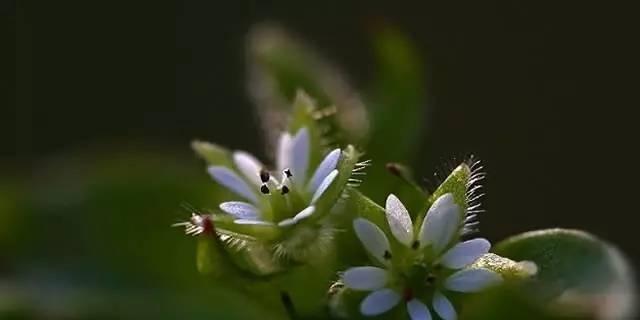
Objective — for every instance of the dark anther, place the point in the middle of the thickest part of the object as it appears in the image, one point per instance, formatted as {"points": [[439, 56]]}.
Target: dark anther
{"points": [[288, 173], [387, 255], [264, 189], [415, 245], [264, 175], [431, 279], [284, 190]]}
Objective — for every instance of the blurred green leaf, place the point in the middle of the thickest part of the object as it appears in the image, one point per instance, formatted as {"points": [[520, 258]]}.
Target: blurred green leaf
{"points": [[577, 268], [397, 102], [281, 64]]}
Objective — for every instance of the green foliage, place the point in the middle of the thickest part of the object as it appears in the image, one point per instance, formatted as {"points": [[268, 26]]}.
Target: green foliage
{"points": [[575, 268]]}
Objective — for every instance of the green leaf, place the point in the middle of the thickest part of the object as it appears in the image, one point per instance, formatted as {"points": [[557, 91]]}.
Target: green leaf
{"points": [[397, 101], [212, 154], [577, 268], [281, 64]]}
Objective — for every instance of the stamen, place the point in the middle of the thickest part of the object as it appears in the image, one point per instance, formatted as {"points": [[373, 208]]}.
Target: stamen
{"points": [[287, 172], [431, 280], [387, 255], [264, 189], [284, 190], [415, 245], [264, 176]]}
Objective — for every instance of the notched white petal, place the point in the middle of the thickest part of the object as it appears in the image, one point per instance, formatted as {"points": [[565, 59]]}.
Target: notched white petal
{"points": [[283, 160], [379, 302], [365, 278], [229, 179], [305, 213], [240, 210], [373, 239], [287, 222], [326, 183], [252, 222], [299, 155], [472, 280], [418, 310], [465, 253], [443, 307], [399, 220], [441, 223], [249, 166], [326, 166]]}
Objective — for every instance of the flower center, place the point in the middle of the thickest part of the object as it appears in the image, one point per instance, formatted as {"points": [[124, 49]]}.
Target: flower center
{"points": [[284, 197]]}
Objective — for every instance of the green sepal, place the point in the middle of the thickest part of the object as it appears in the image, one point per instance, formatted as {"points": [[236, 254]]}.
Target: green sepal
{"points": [[456, 183], [212, 154]]}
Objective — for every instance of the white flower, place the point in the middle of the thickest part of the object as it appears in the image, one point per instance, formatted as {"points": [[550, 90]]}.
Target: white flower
{"points": [[437, 262], [271, 200]]}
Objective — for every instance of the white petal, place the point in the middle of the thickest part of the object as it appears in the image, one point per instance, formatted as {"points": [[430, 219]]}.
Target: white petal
{"points": [[299, 155], [287, 222], [240, 210], [443, 307], [326, 166], [441, 223], [418, 310], [372, 238], [284, 149], [249, 166], [326, 183], [365, 278], [379, 302], [399, 220], [472, 280], [231, 181], [253, 222], [305, 213], [465, 253]]}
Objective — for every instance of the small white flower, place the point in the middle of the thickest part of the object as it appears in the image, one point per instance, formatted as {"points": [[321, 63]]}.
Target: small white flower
{"points": [[439, 264], [279, 200]]}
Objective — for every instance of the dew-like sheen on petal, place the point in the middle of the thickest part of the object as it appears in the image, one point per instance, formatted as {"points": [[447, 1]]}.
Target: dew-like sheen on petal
{"points": [[399, 220], [379, 302], [372, 238], [231, 181], [365, 278], [240, 210]]}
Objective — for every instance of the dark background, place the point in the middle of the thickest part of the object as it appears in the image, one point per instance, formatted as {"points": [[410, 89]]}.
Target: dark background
{"points": [[541, 92]]}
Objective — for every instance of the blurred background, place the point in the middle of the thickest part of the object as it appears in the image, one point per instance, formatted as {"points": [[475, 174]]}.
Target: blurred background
{"points": [[95, 161]]}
